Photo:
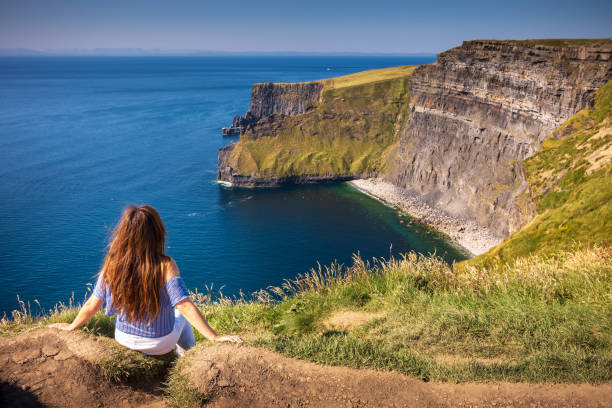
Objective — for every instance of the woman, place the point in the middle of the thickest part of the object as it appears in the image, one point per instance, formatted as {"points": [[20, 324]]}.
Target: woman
{"points": [[142, 285]]}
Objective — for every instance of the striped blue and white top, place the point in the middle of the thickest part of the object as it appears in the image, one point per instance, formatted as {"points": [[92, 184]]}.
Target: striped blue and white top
{"points": [[173, 292]]}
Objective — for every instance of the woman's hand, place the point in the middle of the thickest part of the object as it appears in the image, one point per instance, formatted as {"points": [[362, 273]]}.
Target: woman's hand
{"points": [[61, 326], [194, 316], [89, 309], [229, 339]]}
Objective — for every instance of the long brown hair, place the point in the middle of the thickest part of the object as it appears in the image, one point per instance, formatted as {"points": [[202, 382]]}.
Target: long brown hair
{"points": [[133, 268]]}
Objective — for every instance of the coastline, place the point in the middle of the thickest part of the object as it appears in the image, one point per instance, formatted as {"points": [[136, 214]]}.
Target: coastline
{"points": [[472, 237]]}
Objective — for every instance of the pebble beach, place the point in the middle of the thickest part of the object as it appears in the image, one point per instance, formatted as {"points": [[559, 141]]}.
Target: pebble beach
{"points": [[468, 234]]}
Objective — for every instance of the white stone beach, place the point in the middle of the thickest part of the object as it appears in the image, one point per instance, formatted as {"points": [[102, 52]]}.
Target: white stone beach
{"points": [[468, 234]]}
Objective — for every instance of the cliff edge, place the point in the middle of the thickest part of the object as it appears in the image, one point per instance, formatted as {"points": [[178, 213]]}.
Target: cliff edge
{"points": [[331, 130]]}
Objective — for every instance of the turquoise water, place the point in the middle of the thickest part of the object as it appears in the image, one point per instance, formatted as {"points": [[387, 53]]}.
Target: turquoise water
{"points": [[81, 138]]}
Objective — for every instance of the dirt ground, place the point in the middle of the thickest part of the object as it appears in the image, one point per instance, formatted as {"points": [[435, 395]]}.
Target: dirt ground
{"points": [[251, 377], [61, 369], [49, 368]]}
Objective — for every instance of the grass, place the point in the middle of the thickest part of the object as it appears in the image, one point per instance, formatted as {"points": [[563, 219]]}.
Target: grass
{"points": [[369, 77], [571, 184], [179, 391], [540, 319], [561, 42], [564, 42], [351, 132], [25, 319]]}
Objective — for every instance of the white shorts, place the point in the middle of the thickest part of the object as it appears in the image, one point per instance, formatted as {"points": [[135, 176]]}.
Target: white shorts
{"points": [[179, 339]]}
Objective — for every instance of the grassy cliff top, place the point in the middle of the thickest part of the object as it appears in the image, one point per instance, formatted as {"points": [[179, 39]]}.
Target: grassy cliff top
{"points": [[371, 76], [352, 131], [358, 78], [552, 42], [564, 42]]}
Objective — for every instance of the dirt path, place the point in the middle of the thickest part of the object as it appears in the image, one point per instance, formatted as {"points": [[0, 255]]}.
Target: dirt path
{"points": [[251, 377], [60, 369]]}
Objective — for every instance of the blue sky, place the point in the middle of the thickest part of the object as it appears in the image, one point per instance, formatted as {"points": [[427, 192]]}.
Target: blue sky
{"points": [[374, 26]]}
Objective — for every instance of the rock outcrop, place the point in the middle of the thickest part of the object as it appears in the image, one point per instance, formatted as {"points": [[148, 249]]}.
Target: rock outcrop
{"points": [[481, 109], [53, 368], [269, 99]]}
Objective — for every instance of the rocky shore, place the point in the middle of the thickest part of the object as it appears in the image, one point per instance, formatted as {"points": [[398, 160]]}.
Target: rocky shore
{"points": [[468, 234]]}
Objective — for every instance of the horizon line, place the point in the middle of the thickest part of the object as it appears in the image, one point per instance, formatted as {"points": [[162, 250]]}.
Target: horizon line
{"points": [[142, 52]]}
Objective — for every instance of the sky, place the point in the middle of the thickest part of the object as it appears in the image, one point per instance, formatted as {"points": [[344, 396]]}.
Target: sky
{"points": [[327, 26]]}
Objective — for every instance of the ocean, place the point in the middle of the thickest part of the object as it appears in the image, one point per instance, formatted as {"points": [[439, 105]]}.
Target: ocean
{"points": [[82, 137]]}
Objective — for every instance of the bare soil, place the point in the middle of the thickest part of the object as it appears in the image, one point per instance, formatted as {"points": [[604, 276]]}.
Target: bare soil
{"points": [[349, 319], [234, 376], [61, 369]]}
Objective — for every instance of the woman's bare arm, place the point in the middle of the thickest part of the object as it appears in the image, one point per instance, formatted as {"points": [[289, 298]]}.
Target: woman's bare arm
{"points": [[193, 314], [89, 309]]}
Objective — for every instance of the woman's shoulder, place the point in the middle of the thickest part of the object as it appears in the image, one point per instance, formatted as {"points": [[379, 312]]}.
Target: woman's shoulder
{"points": [[170, 269]]}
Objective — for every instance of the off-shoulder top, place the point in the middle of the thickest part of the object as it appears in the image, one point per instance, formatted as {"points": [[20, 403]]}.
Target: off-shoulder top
{"points": [[173, 291]]}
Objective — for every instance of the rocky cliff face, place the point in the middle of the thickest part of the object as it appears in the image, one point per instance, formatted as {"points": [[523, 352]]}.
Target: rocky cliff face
{"points": [[269, 99], [481, 109]]}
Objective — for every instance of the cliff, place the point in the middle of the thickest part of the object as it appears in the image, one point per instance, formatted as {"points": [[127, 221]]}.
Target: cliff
{"points": [[570, 180], [331, 130], [452, 134], [269, 99], [480, 110]]}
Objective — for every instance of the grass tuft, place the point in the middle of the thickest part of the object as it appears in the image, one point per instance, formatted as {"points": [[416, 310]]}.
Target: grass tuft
{"points": [[179, 391], [25, 319], [127, 366]]}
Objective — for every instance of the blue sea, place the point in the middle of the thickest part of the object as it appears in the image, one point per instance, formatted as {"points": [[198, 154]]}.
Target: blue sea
{"points": [[82, 137]]}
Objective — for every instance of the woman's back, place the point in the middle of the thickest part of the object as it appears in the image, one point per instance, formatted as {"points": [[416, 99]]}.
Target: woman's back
{"points": [[173, 291], [142, 285]]}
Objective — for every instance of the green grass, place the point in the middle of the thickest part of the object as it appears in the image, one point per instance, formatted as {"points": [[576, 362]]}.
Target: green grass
{"points": [[353, 131], [540, 319], [25, 319], [571, 184], [180, 393], [369, 77], [123, 365]]}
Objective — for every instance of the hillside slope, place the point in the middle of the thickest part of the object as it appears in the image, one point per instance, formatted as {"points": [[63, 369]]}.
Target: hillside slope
{"points": [[346, 132], [570, 180]]}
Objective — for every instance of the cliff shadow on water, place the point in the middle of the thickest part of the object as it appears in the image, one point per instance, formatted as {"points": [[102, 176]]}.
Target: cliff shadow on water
{"points": [[324, 223]]}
